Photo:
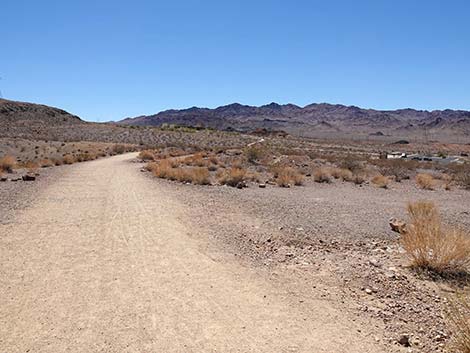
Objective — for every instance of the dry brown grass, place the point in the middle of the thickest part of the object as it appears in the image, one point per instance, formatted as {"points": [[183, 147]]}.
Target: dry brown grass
{"points": [[31, 166], [68, 159], [232, 176], [7, 163], [253, 153], [426, 181], [380, 181], [146, 155], [119, 149], [165, 169], [341, 173], [198, 176], [289, 176], [459, 317], [322, 175], [44, 163], [433, 246], [359, 179]]}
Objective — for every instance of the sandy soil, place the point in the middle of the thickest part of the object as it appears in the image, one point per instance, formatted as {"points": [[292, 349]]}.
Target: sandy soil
{"points": [[105, 259]]}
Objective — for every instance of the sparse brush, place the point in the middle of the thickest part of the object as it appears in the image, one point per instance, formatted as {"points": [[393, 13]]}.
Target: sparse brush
{"points": [[232, 176], [7, 163], [341, 173], [359, 179], [146, 155], [119, 149], [45, 163], [351, 163], [380, 181], [459, 318], [433, 246], [426, 181], [161, 169], [199, 176], [68, 159], [322, 175], [31, 166], [289, 176], [253, 153]]}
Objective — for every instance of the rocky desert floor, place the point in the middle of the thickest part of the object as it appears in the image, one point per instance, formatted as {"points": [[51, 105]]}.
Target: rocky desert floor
{"points": [[100, 256]]}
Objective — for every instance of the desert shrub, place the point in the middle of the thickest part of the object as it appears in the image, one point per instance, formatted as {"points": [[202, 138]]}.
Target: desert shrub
{"points": [[68, 159], [253, 153], [463, 179], [433, 246], [351, 163], [84, 157], [380, 181], [198, 175], [146, 155], [289, 176], [399, 169], [58, 161], [458, 315], [162, 169], [232, 176], [7, 163], [196, 160], [359, 179], [426, 181], [322, 175], [31, 166], [341, 173], [44, 163], [119, 149]]}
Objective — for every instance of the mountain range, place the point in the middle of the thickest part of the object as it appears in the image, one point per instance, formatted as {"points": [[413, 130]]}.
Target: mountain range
{"points": [[321, 120]]}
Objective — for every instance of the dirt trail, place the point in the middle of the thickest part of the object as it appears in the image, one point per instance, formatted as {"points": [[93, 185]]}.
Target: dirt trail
{"points": [[102, 261]]}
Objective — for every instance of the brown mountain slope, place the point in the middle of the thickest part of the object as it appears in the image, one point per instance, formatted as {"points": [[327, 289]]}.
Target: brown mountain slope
{"points": [[322, 120]]}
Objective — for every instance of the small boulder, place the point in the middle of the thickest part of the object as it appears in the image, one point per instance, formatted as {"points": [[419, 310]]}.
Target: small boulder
{"points": [[29, 177], [262, 186], [3, 178], [404, 340], [397, 225]]}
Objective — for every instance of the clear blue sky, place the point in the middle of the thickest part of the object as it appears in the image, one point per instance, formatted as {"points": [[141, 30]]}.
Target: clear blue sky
{"points": [[105, 60]]}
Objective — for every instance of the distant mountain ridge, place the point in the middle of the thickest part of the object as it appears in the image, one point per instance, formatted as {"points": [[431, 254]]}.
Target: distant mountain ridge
{"points": [[320, 120]]}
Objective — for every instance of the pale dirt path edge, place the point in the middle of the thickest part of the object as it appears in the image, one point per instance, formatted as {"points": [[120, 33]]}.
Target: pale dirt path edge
{"points": [[100, 263]]}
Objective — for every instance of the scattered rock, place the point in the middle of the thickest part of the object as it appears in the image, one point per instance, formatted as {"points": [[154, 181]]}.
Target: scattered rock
{"points": [[397, 225], [404, 340], [29, 177], [262, 186], [374, 262]]}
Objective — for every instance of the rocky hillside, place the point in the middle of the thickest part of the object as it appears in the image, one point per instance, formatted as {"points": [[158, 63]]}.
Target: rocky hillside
{"points": [[30, 121], [322, 120]]}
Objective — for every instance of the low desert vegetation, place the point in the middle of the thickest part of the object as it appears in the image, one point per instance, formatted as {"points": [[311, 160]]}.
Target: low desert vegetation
{"points": [[342, 173], [426, 181], [289, 176], [381, 181], [68, 159], [322, 175], [459, 318], [146, 155], [253, 153], [432, 245], [233, 176], [45, 163], [7, 163]]}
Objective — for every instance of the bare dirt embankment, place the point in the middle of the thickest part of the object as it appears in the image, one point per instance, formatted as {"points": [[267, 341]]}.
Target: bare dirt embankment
{"points": [[106, 259]]}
